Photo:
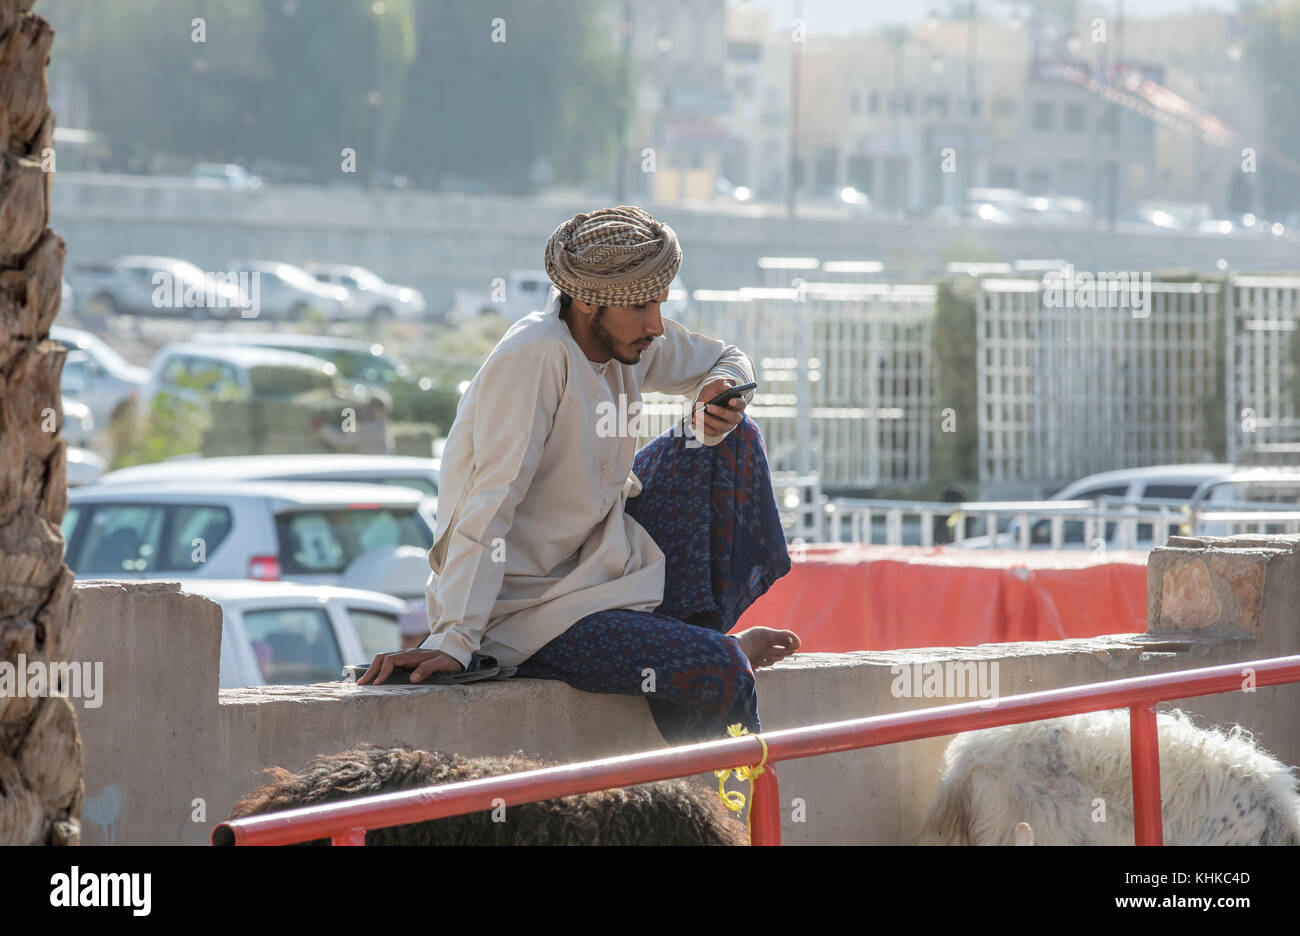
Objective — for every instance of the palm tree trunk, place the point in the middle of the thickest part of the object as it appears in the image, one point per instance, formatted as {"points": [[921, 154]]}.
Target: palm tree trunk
{"points": [[40, 748]]}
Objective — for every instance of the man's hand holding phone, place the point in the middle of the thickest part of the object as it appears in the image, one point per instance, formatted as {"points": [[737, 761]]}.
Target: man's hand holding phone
{"points": [[718, 409]]}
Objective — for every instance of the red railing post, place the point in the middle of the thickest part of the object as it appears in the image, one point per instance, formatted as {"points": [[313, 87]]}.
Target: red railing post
{"points": [[1144, 748], [765, 808], [353, 836]]}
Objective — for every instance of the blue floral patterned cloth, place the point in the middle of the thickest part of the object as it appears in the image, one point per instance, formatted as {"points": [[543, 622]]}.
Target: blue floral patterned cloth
{"points": [[712, 512]]}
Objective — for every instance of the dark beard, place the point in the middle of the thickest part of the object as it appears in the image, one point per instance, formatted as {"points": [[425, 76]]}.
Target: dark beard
{"points": [[606, 340]]}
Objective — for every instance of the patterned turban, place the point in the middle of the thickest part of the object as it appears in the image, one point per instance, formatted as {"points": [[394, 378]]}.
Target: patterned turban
{"points": [[613, 256]]}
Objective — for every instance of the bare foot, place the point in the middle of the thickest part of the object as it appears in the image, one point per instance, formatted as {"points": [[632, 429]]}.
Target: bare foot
{"points": [[764, 646]]}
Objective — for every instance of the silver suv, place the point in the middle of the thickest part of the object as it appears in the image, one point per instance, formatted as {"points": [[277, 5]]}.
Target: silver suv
{"points": [[375, 537]]}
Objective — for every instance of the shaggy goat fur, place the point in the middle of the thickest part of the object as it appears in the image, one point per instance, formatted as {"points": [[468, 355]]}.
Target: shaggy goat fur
{"points": [[670, 812], [1217, 788]]}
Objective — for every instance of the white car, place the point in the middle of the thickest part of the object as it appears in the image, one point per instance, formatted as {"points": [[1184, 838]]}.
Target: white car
{"points": [[406, 470], [375, 298], [288, 292], [375, 537], [1161, 485], [97, 375], [148, 285], [526, 292], [1273, 492], [223, 176], [361, 362], [283, 633], [523, 292], [197, 372], [83, 467], [78, 423]]}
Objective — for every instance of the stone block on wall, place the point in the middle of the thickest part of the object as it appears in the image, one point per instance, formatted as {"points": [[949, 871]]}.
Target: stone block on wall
{"points": [[1215, 585]]}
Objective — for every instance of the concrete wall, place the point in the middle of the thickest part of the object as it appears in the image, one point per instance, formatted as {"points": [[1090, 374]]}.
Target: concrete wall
{"points": [[165, 741], [437, 242]]}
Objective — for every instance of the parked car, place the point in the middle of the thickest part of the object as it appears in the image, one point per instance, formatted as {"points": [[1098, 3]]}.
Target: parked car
{"points": [[96, 375], [405, 470], [78, 423], [84, 466], [283, 633], [994, 205], [289, 292], [374, 537], [1264, 490], [1056, 210], [198, 372], [357, 361], [526, 292], [142, 285], [1163, 485], [375, 298], [1153, 218], [1221, 226], [223, 176], [993, 214]]}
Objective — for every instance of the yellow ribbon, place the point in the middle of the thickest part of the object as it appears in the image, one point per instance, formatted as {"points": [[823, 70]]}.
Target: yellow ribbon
{"points": [[734, 799]]}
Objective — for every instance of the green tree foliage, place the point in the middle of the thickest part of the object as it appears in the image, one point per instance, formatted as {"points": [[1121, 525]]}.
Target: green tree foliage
{"points": [[431, 395], [478, 108], [1273, 51], [319, 101], [954, 455], [173, 425], [295, 82], [152, 89]]}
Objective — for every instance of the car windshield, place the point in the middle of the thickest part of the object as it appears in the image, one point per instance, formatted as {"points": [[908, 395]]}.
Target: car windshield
{"points": [[1269, 494], [76, 377], [324, 541], [377, 631], [98, 349], [360, 365], [272, 379], [297, 277], [1177, 492], [293, 645], [187, 273]]}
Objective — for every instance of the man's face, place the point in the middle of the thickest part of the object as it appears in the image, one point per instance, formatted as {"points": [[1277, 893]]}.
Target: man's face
{"points": [[623, 332]]}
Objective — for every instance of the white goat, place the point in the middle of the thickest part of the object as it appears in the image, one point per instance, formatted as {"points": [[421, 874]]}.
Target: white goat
{"points": [[1069, 779]]}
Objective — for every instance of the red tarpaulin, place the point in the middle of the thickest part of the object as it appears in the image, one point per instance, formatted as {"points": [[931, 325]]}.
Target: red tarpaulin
{"points": [[886, 597]]}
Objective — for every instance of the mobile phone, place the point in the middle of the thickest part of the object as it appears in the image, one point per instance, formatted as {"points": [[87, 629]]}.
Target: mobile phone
{"points": [[401, 675], [730, 394]]}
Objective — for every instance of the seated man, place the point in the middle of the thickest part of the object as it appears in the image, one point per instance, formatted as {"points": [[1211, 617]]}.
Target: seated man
{"points": [[562, 550]]}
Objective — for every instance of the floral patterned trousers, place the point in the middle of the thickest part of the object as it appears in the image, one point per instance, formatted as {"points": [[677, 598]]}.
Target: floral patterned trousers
{"points": [[712, 512]]}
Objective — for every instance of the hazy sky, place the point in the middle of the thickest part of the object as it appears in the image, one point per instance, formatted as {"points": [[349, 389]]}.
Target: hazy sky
{"points": [[842, 16]]}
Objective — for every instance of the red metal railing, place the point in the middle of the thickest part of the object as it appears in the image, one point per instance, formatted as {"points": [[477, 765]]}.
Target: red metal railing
{"points": [[345, 823]]}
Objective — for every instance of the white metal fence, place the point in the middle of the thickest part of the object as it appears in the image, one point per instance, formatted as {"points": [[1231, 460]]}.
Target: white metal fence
{"points": [[1084, 524], [1065, 392], [1107, 523], [1126, 376], [844, 372], [1261, 364]]}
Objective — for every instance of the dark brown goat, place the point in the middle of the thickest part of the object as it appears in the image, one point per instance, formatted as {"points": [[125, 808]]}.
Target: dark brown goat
{"points": [[670, 812]]}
